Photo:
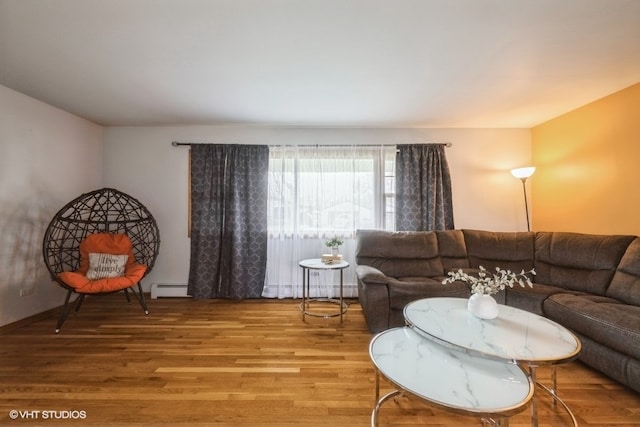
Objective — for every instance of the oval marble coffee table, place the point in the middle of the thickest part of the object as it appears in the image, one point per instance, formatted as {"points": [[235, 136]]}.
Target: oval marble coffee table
{"points": [[515, 335], [489, 389]]}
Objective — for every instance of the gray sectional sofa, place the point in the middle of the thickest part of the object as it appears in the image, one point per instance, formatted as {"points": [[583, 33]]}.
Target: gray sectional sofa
{"points": [[587, 283]]}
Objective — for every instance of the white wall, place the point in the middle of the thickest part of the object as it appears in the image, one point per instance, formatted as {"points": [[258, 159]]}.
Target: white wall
{"points": [[47, 158], [141, 161]]}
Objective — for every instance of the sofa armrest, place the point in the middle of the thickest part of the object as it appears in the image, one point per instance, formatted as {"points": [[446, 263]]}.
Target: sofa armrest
{"points": [[371, 275], [373, 294]]}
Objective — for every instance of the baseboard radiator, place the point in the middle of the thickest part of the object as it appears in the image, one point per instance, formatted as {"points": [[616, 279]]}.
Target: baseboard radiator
{"points": [[169, 290]]}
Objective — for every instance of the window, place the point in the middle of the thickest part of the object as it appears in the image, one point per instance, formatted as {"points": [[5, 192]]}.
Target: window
{"points": [[316, 192]]}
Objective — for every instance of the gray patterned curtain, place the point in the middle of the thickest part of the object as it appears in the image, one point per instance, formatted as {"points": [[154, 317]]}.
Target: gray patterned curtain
{"points": [[423, 188], [228, 220]]}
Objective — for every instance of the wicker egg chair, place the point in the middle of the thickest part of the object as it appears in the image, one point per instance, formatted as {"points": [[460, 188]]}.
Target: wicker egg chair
{"points": [[107, 211]]}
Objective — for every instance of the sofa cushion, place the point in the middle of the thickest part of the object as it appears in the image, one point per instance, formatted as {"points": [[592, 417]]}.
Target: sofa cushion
{"points": [[579, 262], [614, 364], [507, 250], [452, 249], [625, 285], [531, 299], [604, 320], [402, 292], [402, 253]]}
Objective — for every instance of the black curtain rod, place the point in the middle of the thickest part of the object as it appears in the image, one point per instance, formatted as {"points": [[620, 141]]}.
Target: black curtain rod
{"points": [[446, 144]]}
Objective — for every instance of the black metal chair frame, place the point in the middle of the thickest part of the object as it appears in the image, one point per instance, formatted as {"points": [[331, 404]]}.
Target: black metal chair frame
{"points": [[105, 210]]}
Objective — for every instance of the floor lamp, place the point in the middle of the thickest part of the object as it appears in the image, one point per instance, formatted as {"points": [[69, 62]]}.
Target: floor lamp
{"points": [[523, 174]]}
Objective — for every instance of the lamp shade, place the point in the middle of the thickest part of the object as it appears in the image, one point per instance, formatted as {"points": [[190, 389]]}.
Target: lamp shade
{"points": [[523, 173]]}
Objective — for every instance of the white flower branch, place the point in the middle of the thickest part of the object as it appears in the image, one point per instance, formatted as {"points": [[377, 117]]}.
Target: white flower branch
{"points": [[485, 283]]}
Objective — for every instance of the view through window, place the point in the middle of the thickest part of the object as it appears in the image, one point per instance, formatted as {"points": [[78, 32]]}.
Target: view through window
{"points": [[317, 192]]}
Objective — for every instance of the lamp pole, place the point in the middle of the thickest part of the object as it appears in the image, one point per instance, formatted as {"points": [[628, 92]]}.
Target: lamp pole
{"points": [[526, 205], [523, 174]]}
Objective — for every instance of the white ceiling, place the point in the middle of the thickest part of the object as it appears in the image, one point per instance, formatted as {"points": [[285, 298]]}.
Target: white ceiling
{"points": [[429, 63]]}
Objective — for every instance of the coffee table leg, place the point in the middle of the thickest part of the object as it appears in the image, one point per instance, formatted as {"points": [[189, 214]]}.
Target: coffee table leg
{"points": [[376, 408], [552, 392], [555, 398], [502, 422], [554, 385], [534, 400], [377, 386]]}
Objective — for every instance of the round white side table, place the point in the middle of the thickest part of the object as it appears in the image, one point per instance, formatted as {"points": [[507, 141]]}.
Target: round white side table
{"points": [[316, 264]]}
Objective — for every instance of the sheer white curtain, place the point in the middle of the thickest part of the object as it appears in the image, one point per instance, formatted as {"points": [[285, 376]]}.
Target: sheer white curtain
{"points": [[316, 193]]}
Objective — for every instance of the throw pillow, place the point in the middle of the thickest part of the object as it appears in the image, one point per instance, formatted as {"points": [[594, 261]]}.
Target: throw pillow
{"points": [[102, 266]]}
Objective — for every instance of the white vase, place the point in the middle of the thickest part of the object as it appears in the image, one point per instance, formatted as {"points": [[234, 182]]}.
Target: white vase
{"points": [[483, 306], [334, 251]]}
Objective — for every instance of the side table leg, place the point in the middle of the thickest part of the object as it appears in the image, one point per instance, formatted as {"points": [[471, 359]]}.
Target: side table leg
{"points": [[341, 310], [305, 285]]}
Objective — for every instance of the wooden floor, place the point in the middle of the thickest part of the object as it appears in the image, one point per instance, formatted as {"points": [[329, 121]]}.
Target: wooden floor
{"points": [[252, 363]]}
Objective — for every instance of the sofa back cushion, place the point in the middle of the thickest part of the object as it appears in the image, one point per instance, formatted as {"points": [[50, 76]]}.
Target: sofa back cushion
{"points": [[453, 252], [508, 250], [578, 262], [625, 285], [400, 253]]}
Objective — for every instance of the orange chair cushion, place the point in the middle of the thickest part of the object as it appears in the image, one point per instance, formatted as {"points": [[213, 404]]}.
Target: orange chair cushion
{"points": [[115, 244], [81, 284]]}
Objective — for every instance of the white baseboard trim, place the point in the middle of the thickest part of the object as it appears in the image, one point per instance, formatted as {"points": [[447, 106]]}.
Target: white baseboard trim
{"points": [[169, 290]]}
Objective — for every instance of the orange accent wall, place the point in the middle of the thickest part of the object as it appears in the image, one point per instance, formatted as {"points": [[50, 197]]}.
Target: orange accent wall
{"points": [[588, 168]]}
